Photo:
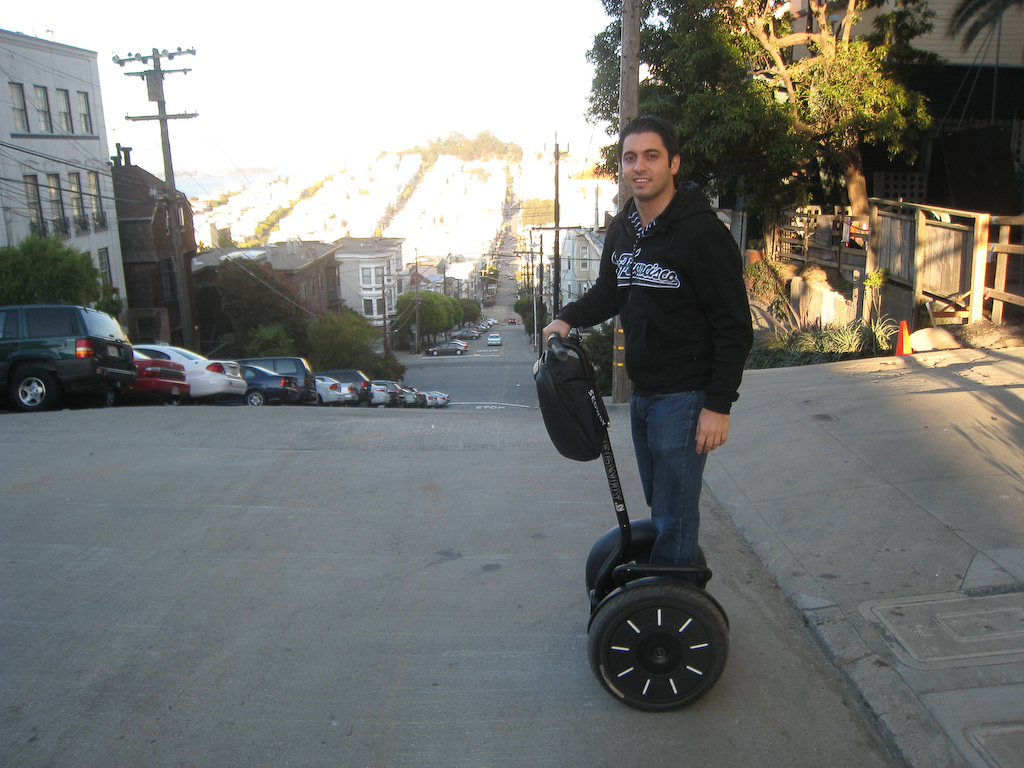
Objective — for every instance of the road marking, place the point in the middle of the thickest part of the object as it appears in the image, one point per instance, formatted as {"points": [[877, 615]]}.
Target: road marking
{"points": [[494, 406]]}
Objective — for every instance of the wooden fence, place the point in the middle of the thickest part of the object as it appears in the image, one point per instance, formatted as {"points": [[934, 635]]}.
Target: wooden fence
{"points": [[946, 261]]}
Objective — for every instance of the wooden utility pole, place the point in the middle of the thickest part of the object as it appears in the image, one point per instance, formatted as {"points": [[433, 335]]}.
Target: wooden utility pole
{"points": [[556, 294], [629, 106], [155, 85]]}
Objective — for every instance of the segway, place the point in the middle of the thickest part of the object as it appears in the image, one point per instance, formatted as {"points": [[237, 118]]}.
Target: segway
{"points": [[657, 640]]}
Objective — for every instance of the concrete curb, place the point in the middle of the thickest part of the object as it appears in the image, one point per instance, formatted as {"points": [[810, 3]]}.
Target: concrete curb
{"points": [[904, 725]]}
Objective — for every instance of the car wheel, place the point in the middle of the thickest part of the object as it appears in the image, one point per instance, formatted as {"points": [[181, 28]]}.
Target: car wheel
{"points": [[174, 400], [434, 353], [255, 397], [319, 399], [34, 389], [458, 351]]}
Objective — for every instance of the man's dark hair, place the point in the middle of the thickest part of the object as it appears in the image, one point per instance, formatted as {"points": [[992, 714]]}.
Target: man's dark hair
{"points": [[652, 124]]}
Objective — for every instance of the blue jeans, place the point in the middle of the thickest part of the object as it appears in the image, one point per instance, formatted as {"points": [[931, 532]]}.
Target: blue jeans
{"points": [[665, 441]]}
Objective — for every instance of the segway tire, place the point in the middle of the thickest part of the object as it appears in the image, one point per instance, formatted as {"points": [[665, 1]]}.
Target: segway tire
{"points": [[658, 646]]}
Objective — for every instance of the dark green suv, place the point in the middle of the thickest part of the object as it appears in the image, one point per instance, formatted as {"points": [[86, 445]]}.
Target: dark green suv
{"points": [[49, 350]]}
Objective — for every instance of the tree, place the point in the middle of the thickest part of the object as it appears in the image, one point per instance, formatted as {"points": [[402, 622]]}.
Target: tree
{"points": [[434, 313], [470, 310], [759, 106], [269, 341], [599, 347], [40, 270], [342, 340], [253, 294], [971, 17], [454, 311]]}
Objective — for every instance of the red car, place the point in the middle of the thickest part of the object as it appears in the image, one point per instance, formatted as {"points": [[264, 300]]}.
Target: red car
{"points": [[156, 381]]}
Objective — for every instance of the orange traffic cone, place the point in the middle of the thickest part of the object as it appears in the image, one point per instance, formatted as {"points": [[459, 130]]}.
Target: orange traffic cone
{"points": [[903, 341]]}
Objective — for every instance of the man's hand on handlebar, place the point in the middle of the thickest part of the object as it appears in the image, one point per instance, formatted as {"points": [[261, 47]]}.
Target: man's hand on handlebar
{"points": [[559, 327]]}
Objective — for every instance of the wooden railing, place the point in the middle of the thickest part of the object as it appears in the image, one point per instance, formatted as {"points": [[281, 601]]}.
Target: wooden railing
{"points": [[813, 235], [937, 256], [1005, 268]]}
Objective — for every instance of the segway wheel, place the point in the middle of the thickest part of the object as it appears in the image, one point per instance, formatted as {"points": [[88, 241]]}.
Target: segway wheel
{"points": [[658, 646]]}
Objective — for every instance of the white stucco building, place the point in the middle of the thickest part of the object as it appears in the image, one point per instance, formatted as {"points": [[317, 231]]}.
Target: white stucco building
{"points": [[55, 173]]}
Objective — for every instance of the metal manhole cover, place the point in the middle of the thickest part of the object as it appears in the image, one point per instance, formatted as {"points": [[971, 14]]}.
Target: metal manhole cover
{"points": [[951, 630]]}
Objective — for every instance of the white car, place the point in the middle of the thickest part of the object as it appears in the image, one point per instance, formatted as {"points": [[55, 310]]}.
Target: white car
{"points": [[379, 395], [333, 392], [206, 378], [437, 399], [494, 340]]}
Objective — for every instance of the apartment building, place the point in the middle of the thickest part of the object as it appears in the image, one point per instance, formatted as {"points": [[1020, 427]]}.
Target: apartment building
{"points": [[581, 261], [54, 162]]}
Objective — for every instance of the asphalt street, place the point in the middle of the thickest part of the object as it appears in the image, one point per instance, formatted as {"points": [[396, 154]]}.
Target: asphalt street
{"points": [[308, 586]]}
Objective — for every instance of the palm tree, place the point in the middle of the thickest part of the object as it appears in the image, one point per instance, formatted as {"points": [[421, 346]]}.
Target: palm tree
{"points": [[971, 17]]}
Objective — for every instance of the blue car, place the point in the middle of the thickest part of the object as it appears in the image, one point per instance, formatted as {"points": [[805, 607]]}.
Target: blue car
{"points": [[263, 386]]}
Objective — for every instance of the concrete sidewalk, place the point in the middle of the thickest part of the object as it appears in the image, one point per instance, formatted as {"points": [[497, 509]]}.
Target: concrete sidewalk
{"points": [[886, 496]]}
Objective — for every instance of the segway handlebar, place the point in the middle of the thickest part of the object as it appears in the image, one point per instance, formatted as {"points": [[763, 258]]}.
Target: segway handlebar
{"points": [[555, 345]]}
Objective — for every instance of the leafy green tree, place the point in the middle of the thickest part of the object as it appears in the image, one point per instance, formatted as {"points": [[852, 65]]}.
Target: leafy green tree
{"points": [[470, 310], [454, 309], [599, 346], [110, 301], [46, 269], [435, 313], [253, 294], [760, 105], [342, 340], [386, 367], [524, 308], [269, 340]]}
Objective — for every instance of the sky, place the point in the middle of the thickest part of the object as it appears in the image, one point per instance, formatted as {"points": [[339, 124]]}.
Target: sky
{"points": [[311, 85]]}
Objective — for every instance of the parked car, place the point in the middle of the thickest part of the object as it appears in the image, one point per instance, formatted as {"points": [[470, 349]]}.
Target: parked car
{"points": [[447, 348], [51, 350], [264, 386], [442, 398], [414, 398], [394, 392], [358, 379], [156, 381], [333, 392], [467, 333], [379, 395], [207, 379], [289, 366], [494, 340]]}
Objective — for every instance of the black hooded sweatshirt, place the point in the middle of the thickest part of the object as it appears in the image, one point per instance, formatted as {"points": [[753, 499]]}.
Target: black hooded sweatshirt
{"points": [[679, 291]]}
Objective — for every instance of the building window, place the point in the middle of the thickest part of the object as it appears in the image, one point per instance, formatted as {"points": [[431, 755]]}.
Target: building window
{"points": [[43, 109], [584, 260], [381, 307], [170, 285], [84, 112], [366, 276], [378, 276], [103, 262], [18, 105], [368, 307], [99, 216], [78, 204], [64, 110], [61, 224], [35, 206]]}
